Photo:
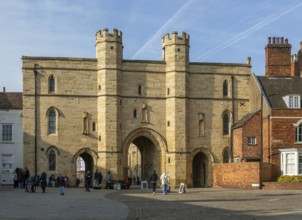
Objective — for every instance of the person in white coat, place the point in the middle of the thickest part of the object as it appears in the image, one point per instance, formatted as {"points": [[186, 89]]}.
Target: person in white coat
{"points": [[164, 182]]}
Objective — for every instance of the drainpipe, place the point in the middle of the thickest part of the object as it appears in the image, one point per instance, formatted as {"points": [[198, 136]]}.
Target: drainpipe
{"points": [[269, 138], [261, 142], [36, 119], [233, 121]]}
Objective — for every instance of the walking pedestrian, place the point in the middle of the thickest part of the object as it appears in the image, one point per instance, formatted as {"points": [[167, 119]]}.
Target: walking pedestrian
{"points": [[43, 181], [153, 181], [87, 181], [62, 182], [164, 182]]}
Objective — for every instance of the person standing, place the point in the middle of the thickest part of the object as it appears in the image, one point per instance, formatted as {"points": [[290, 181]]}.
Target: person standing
{"points": [[43, 181], [52, 181], [87, 181], [164, 182], [16, 181], [61, 181], [108, 179], [100, 177], [95, 179], [153, 180]]}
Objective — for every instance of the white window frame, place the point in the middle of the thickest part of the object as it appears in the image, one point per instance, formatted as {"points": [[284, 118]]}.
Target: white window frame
{"points": [[2, 133], [292, 101], [251, 140], [291, 161], [298, 132]]}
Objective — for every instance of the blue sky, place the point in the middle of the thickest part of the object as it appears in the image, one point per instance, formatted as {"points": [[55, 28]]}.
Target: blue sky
{"points": [[224, 31]]}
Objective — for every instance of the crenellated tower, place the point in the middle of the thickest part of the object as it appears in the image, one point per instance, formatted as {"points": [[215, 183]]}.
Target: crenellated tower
{"points": [[109, 54], [176, 56]]}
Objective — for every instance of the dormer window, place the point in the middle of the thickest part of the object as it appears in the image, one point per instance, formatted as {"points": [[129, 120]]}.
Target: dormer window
{"points": [[292, 101]]}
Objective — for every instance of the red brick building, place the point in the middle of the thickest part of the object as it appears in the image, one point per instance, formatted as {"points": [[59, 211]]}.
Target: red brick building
{"points": [[280, 107]]}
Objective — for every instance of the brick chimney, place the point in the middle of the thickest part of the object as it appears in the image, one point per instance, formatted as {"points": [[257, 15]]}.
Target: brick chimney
{"points": [[278, 57], [299, 57], [294, 66]]}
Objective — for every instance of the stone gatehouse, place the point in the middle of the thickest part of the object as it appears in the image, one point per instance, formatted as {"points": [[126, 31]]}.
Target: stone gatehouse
{"points": [[177, 113]]}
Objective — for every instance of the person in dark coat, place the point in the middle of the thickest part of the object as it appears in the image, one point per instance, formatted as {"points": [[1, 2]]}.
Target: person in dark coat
{"points": [[62, 183], [87, 181], [153, 181], [100, 177], [43, 181]]}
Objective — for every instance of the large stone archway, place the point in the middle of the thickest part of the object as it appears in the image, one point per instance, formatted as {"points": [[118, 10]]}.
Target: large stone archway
{"points": [[152, 147]]}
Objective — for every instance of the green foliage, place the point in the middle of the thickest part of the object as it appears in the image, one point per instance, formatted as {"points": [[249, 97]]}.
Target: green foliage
{"points": [[289, 179]]}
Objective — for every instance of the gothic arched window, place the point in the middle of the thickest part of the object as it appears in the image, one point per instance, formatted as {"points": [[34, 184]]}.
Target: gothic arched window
{"points": [[51, 84], [225, 89], [225, 155], [52, 160], [139, 89], [52, 118], [225, 123]]}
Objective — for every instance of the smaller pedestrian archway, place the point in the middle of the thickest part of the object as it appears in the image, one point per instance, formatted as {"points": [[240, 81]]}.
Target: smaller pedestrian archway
{"points": [[202, 168], [85, 160]]}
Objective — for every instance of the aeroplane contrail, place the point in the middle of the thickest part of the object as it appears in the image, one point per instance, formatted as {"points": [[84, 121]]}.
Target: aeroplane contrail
{"points": [[245, 33], [159, 32]]}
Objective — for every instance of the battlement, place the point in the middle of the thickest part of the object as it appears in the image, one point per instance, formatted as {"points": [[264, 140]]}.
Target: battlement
{"points": [[175, 39], [104, 35]]}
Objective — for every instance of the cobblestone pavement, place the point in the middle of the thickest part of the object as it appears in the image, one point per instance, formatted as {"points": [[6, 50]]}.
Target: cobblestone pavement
{"points": [[76, 204], [212, 204], [135, 203]]}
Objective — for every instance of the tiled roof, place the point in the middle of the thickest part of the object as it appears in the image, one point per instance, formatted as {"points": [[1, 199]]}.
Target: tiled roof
{"points": [[276, 87], [11, 100], [245, 119]]}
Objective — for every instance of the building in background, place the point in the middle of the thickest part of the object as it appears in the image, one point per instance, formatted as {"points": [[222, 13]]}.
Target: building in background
{"points": [[11, 135], [275, 120]]}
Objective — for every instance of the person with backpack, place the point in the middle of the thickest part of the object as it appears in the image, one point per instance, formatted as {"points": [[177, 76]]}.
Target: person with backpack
{"points": [[164, 182], [153, 180]]}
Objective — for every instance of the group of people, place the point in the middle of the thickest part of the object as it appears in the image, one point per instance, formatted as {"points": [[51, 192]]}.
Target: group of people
{"points": [[97, 177], [22, 179], [164, 182]]}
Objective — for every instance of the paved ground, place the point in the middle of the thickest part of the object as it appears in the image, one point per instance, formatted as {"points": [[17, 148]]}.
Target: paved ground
{"points": [[204, 203]]}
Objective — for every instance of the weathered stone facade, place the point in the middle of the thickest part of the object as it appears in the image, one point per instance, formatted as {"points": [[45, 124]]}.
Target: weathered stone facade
{"points": [[172, 110]]}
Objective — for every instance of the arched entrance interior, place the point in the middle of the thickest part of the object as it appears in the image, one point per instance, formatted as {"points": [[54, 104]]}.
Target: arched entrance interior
{"points": [[200, 170], [84, 163], [143, 158]]}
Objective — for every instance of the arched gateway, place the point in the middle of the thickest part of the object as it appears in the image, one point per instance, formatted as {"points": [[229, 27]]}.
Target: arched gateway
{"points": [[170, 102], [152, 147], [202, 168], [89, 157]]}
